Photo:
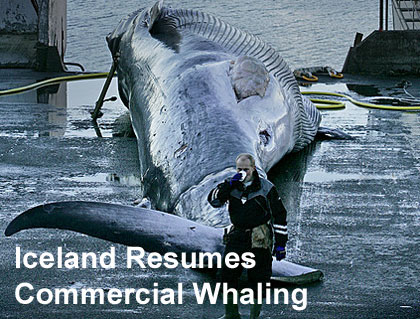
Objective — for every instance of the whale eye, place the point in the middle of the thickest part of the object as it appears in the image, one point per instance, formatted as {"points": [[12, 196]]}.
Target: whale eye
{"points": [[249, 77]]}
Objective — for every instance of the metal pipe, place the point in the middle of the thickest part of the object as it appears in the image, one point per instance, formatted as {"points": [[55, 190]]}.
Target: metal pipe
{"points": [[75, 64], [381, 15], [386, 14], [100, 101], [36, 7]]}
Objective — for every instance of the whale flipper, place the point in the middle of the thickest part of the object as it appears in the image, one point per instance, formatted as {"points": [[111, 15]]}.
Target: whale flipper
{"points": [[153, 230]]}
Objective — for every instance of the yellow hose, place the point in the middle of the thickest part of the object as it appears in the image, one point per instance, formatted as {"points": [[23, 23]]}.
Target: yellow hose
{"points": [[364, 104], [325, 104], [328, 104], [313, 78], [337, 75], [54, 81]]}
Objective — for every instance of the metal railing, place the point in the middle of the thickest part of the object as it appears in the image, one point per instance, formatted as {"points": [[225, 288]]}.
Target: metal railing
{"points": [[408, 14]]}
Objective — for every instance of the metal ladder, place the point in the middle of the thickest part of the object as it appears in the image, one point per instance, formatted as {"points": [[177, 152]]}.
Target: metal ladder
{"points": [[406, 14]]}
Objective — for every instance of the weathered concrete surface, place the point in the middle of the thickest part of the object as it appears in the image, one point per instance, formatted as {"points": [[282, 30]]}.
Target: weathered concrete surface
{"points": [[52, 37], [18, 50], [353, 208], [18, 15], [33, 39], [18, 32], [385, 52]]}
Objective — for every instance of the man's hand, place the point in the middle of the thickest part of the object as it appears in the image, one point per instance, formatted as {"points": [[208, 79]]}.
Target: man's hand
{"points": [[224, 191], [279, 252], [235, 180]]}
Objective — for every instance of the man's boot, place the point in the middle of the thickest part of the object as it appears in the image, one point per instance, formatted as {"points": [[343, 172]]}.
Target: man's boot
{"points": [[231, 310], [255, 310]]}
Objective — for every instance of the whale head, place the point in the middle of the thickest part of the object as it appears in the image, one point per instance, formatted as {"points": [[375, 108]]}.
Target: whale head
{"points": [[200, 92]]}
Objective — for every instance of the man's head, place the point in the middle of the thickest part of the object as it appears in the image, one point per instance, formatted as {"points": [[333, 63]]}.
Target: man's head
{"points": [[245, 162]]}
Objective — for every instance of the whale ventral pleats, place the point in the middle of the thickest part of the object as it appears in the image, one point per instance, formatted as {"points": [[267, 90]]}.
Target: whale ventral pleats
{"points": [[249, 77]]}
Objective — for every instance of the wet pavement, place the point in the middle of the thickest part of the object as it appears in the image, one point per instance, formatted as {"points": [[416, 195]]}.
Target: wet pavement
{"points": [[353, 204]]}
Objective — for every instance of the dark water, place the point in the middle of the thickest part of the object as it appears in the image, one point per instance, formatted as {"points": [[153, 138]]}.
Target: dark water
{"points": [[305, 32]]}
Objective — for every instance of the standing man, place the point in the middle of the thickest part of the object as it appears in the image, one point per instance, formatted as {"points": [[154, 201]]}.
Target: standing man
{"points": [[254, 210]]}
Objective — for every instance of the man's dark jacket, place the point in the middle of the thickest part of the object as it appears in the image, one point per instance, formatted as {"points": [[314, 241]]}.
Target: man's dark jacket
{"points": [[253, 205]]}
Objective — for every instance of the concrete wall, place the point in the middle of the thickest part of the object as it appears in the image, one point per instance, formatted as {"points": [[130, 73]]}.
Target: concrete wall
{"points": [[31, 39], [52, 24], [385, 52], [52, 35], [18, 15], [18, 32]]}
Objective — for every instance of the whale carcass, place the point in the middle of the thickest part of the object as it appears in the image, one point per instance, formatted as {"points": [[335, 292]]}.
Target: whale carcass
{"points": [[199, 92]]}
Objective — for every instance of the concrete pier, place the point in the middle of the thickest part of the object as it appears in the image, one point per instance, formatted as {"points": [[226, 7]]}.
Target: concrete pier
{"points": [[33, 34], [386, 53], [353, 205]]}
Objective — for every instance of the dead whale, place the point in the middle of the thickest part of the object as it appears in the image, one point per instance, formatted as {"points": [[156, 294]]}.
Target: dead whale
{"points": [[199, 92]]}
